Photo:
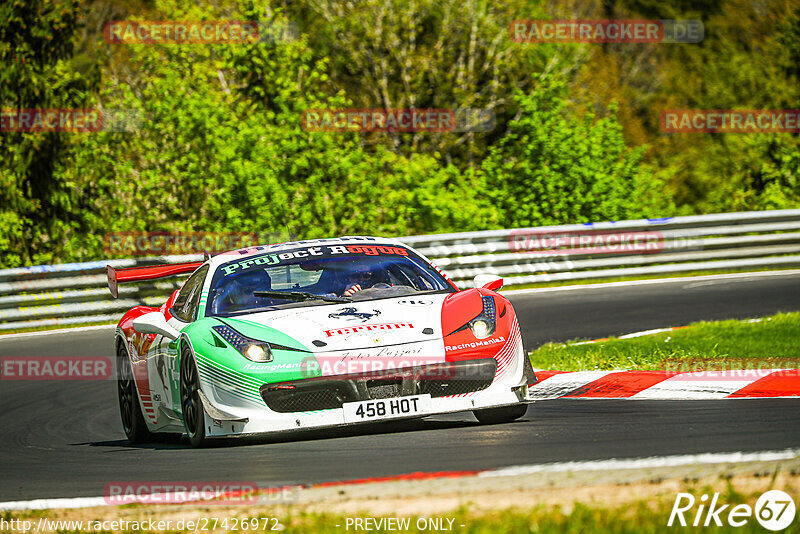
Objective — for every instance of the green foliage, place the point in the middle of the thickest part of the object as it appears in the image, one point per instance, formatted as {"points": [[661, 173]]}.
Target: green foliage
{"points": [[441, 54], [220, 146], [553, 168], [748, 59], [37, 41]]}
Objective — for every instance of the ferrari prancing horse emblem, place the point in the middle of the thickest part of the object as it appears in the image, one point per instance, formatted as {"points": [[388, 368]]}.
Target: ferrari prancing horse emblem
{"points": [[351, 313]]}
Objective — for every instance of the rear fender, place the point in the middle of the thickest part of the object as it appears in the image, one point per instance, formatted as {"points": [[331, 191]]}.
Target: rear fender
{"points": [[140, 375]]}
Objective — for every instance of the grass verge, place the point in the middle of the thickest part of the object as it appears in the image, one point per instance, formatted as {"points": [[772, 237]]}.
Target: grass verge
{"points": [[640, 517], [765, 342], [647, 512]]}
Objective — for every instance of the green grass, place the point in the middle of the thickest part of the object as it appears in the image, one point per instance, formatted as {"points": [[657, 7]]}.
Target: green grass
{"points": [[634, 518], [774, 338]]}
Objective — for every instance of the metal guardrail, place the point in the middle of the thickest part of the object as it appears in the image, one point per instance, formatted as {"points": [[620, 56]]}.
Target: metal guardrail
{"points": [[76, 293]]}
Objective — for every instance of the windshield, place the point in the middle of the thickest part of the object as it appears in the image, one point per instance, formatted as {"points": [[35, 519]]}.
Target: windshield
{"points": [[310, 276]]}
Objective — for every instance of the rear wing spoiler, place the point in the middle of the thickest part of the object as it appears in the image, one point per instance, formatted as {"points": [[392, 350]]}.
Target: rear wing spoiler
{"points": [[147, 272]]}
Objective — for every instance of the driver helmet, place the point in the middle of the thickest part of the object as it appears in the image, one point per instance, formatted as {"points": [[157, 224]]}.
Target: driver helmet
{"points": [[362, 275]]}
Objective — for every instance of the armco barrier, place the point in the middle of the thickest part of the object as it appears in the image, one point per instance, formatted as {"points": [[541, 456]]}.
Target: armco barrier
{"points": [[76, 293]]}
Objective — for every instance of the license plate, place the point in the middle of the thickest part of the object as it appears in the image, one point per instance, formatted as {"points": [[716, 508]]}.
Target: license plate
{"points": [[371, 410]]}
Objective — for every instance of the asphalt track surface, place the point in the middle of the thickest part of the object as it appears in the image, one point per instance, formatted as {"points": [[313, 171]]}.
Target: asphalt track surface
{"points": [[64, 439]]}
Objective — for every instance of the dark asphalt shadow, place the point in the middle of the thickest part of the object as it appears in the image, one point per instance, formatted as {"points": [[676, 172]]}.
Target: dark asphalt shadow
{"points": [[178, 441]]}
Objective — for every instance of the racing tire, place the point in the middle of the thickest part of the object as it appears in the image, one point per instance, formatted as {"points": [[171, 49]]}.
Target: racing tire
{"points": [[130, 411], [504, 414], [191, 406]]}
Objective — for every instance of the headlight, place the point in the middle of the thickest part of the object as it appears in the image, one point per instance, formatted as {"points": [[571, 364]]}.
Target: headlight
{"points": [[481, 328], [485, 323], [258, 353], [252, 349]]}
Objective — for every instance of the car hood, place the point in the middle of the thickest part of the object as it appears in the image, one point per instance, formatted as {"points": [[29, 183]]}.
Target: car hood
{"points": [[372, 327]]}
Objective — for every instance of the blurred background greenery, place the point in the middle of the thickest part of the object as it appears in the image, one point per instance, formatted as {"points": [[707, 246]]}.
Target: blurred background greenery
{"points": [[220, 148]]}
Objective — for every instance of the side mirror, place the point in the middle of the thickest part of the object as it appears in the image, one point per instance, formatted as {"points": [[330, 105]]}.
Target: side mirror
{"points": [[488, 281], [155, 323]]}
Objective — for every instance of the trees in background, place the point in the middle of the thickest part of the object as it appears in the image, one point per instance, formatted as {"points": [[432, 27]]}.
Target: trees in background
{"points": [[221, 148], [39, 209], [552, 167], [220, 145]]}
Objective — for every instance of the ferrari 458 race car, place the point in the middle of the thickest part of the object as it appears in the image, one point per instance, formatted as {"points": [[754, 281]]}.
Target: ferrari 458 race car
{"points": [[313, 334]]}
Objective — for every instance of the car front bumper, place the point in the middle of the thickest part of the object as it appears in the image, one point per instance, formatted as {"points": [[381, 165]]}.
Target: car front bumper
{"points": [[228, 416]]}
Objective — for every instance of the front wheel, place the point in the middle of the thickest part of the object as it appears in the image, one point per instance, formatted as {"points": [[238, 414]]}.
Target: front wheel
{"points": [[504, 414], [191, 405], [129, 410]]}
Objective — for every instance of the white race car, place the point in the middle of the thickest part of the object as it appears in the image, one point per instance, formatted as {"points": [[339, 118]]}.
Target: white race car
{"points": [[313, 334]]}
